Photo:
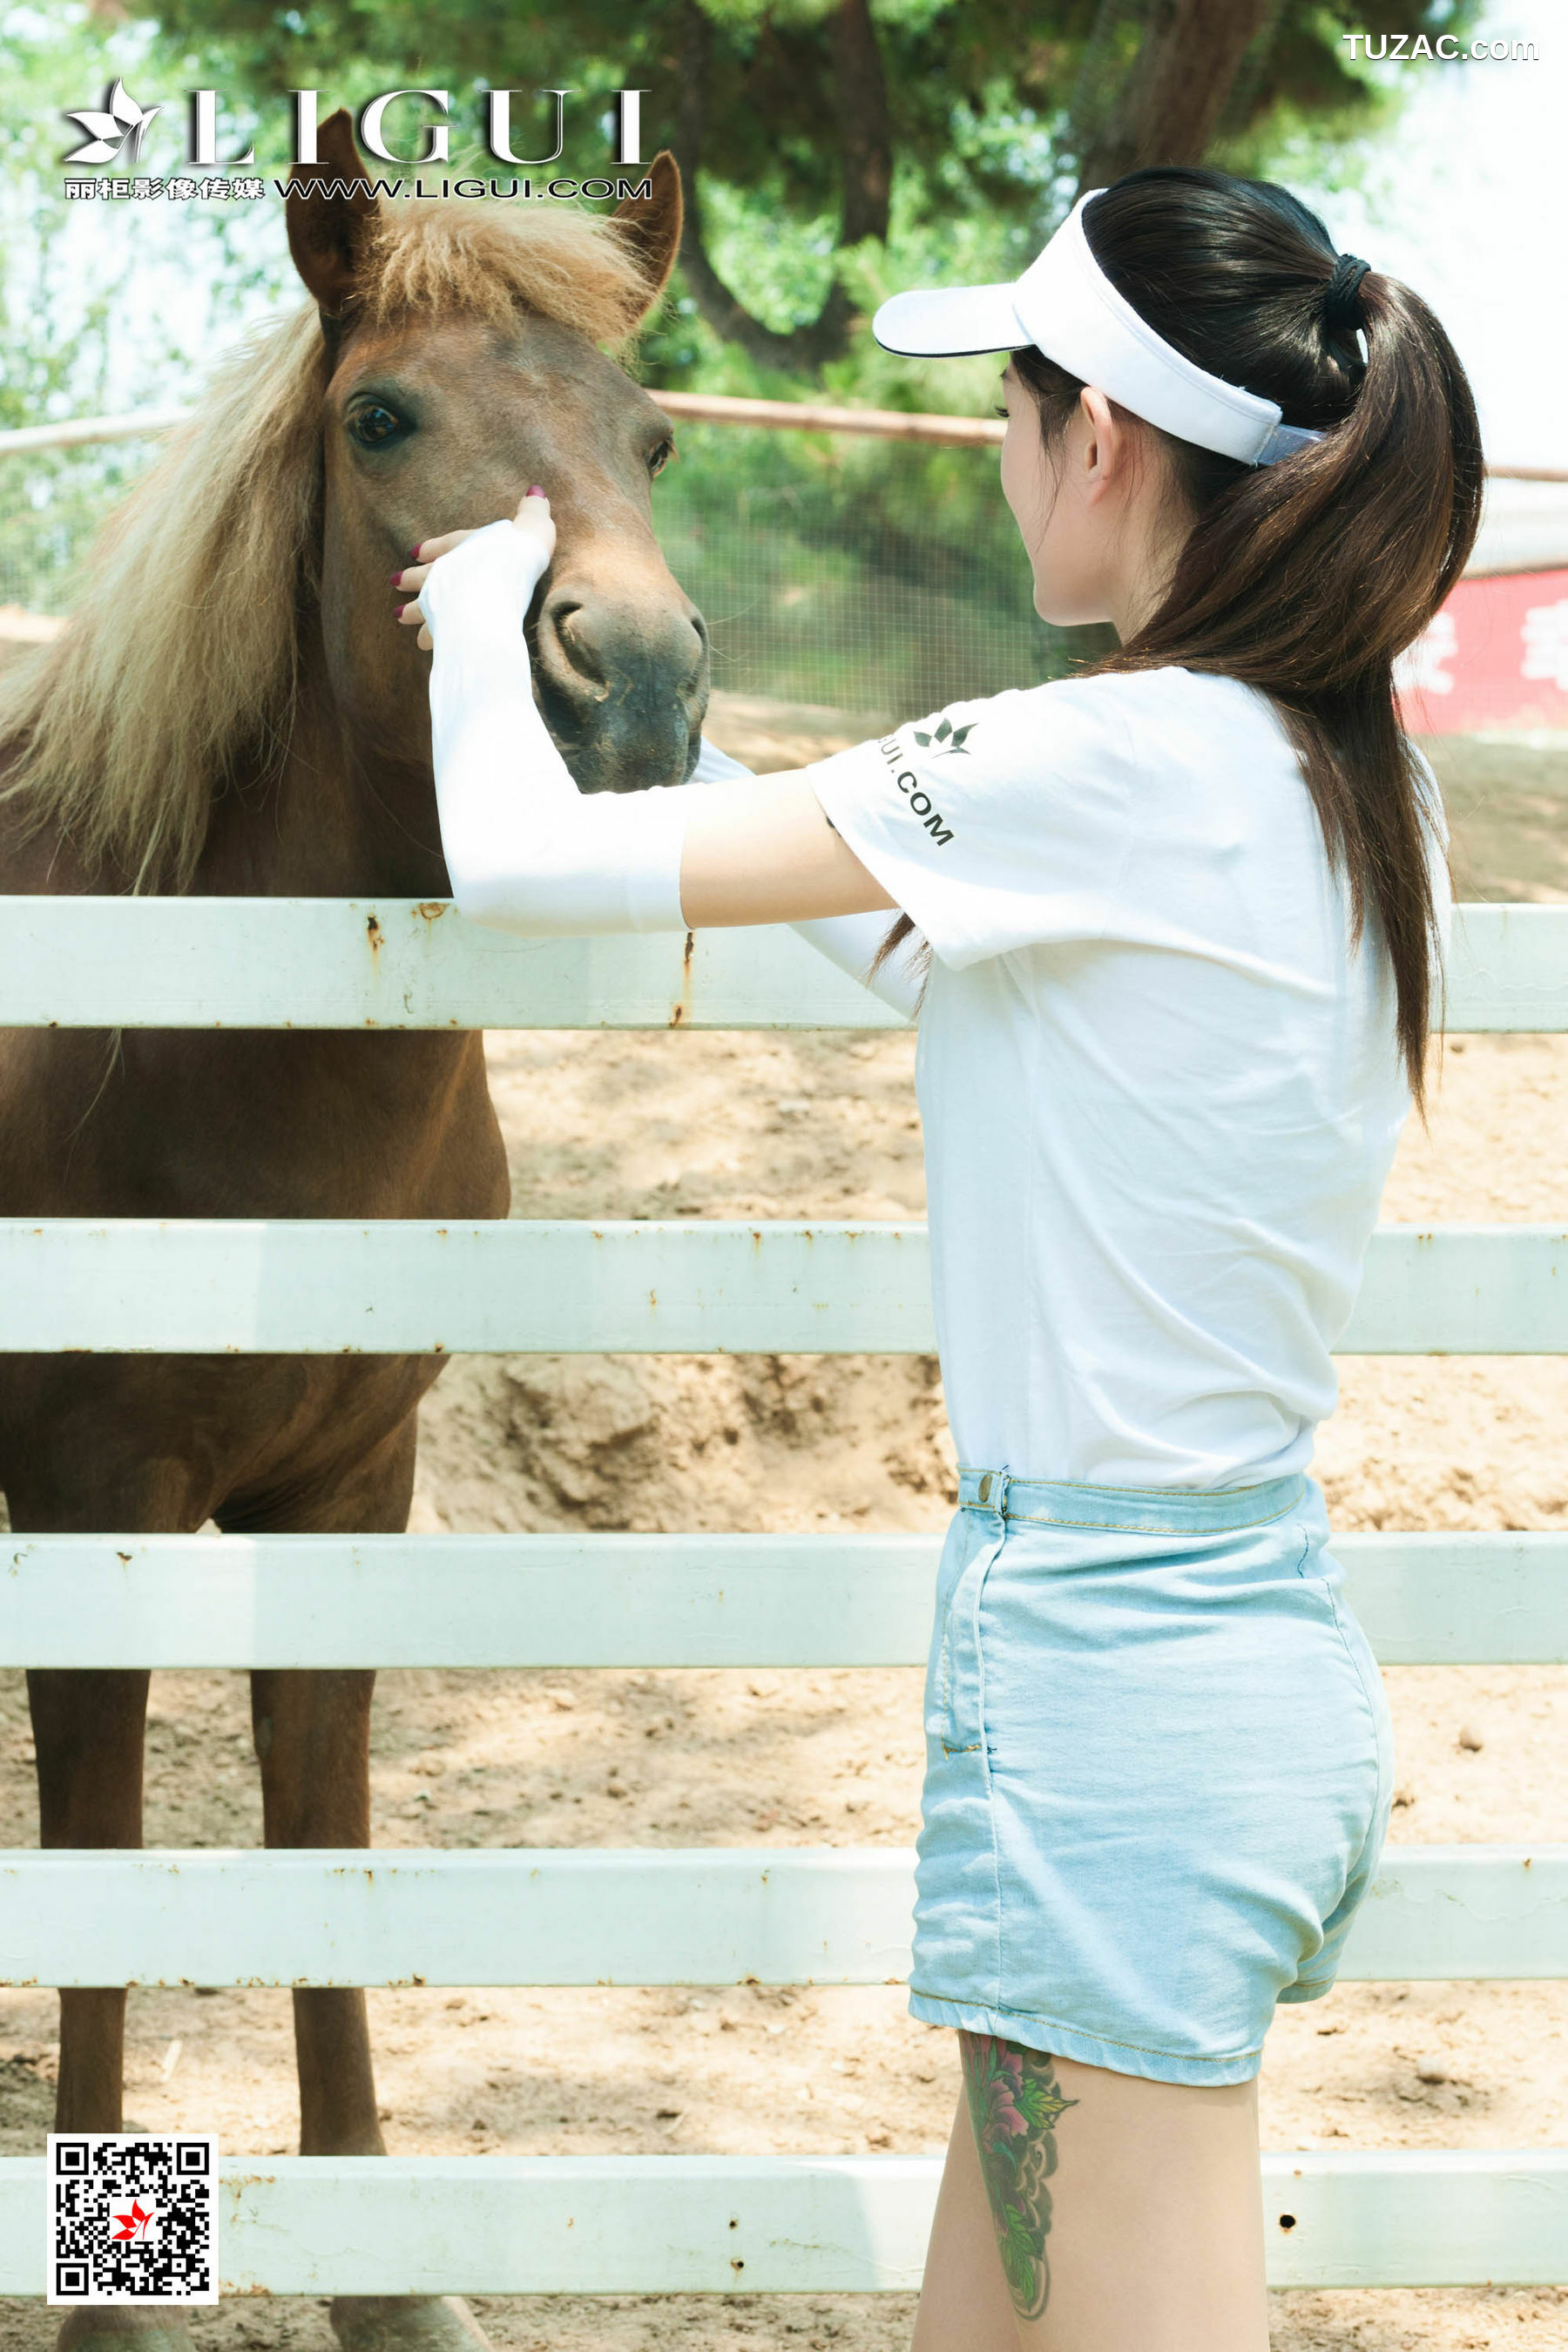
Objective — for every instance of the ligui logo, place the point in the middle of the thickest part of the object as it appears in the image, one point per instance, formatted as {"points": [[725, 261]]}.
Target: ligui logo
{"points": [[116, 129]]}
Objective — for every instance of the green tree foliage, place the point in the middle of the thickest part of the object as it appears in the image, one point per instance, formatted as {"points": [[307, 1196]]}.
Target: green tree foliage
{"points": [[84, 329], [837, 150], [810, 131]]}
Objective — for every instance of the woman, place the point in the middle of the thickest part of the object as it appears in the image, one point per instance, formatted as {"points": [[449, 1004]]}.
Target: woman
{"points": [[1183, 914]]}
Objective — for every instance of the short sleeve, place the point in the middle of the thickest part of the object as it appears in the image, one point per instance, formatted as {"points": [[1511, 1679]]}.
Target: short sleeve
{"points": [[993, 824], [1437, 846]]}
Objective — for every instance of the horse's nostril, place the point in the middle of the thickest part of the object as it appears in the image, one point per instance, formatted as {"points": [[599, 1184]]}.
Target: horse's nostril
{"points": [[566, 621]]}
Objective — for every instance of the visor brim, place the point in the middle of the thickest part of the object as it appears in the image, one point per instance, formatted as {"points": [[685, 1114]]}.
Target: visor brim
{"points": [[951, 322]]}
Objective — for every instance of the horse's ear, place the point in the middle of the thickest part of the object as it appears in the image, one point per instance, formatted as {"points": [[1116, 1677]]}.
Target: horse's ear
{"points": [[326, 228], [651, 226]]}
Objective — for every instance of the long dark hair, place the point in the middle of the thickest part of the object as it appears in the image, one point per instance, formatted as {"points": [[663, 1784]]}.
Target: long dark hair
{"points": [[1306, 577]]}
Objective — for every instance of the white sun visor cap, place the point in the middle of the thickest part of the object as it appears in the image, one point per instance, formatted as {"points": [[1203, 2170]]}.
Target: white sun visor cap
{"points": [[1067, 307]]}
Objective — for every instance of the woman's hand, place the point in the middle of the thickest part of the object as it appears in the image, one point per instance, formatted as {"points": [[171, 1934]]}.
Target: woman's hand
{"points": [[533, 519]]}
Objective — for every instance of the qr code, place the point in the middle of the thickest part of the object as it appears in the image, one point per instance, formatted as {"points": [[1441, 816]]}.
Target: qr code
{"points": [[132, 2217]]}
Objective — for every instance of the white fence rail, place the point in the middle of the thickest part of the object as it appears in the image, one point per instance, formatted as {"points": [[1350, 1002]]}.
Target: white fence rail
{"points": [[402, 963], [567, 1600], [778, 1915], [782, 2224], [404, 2225], [142, 1285]]}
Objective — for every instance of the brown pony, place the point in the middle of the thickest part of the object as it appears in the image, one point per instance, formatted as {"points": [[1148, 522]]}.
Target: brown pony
{"points": [[233, 710]]}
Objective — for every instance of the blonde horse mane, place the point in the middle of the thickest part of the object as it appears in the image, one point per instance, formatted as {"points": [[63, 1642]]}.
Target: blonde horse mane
{"points": [[179, 669]]}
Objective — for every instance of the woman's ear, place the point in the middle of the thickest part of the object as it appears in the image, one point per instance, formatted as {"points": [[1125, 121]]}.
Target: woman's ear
{"points": [[1105, 442]]}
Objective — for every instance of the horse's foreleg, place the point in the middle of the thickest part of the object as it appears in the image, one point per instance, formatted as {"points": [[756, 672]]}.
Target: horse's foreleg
{"points": [[312, 1741], [89, 1726], [311, 1731], [87, 1730]]}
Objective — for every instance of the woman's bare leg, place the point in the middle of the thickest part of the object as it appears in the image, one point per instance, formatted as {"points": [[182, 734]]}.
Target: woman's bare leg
{"points": [[1119, 2215], [964, 2306]]}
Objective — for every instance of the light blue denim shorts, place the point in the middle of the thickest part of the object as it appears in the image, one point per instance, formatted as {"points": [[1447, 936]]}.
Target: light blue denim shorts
{"points": [[1159, 1766]]}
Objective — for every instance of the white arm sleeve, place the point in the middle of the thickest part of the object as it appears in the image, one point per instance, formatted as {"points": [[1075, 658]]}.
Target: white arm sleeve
{"points": [[525, 850], [850, 941]]}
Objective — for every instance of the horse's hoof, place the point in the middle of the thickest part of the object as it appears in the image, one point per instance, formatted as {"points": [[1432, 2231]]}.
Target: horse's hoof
{"points": [[405, 2323], [114, 2327]]}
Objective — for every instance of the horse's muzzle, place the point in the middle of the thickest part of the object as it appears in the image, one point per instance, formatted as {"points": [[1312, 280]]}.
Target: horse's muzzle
{"points": [[623, 685]]}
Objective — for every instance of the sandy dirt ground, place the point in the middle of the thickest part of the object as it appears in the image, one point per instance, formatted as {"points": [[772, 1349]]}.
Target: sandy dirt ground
{"points": [[689, 1125]]}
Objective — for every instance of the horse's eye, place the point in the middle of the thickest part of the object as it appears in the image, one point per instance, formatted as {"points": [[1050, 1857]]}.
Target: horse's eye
{"points": [[661, 457], [372, 425]]}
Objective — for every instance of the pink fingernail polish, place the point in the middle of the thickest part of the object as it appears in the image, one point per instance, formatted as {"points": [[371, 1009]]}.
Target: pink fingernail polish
{"points": [[534, 491], [400, 611], [413, 551], [394, 578]]}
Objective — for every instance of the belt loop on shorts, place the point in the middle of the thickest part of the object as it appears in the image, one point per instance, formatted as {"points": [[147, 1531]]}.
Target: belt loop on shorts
{"points": [[992, 1493]]}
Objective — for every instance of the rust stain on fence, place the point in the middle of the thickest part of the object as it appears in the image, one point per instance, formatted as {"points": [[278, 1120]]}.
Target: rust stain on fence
{"points": [[679, 1011], [374, 933]]}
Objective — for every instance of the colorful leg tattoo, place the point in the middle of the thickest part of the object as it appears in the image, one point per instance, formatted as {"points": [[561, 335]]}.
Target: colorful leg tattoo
{"points": [[1014, 2103]]}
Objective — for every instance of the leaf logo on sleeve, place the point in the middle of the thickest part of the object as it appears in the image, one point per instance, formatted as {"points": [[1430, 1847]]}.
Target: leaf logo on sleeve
{"points": [[946, 736], [908, 783]]}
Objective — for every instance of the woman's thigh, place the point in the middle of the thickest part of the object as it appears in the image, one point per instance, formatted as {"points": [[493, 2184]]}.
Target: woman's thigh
{"points": [[1083, 2211]]}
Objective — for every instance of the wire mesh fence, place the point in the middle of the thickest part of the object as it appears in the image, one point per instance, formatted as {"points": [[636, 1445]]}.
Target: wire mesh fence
{"points": [[873, 577], [879, 578]]}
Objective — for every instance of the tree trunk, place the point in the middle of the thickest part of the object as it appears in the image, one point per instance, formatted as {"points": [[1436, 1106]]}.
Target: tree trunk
{"points": [[865, 143], [1168, 108], [865, 133]]}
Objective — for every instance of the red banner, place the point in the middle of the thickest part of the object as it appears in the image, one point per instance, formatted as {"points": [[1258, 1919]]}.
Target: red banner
{"points": [[1495, 655]]}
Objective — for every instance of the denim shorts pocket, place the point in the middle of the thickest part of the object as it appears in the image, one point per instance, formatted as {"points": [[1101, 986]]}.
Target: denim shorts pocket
{"points": [[962, 1675]]}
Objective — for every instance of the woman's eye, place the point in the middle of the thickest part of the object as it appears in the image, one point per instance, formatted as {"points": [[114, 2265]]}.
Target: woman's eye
{"points": [[371, 426], [999, 412], [661, 457]]}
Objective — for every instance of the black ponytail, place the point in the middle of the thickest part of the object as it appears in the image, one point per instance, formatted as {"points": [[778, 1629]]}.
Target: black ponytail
{"points": [[1308, 577]]}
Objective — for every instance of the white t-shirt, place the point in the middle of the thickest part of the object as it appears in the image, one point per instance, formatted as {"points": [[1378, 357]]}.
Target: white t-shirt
{"points": [[1159, 1093]]}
